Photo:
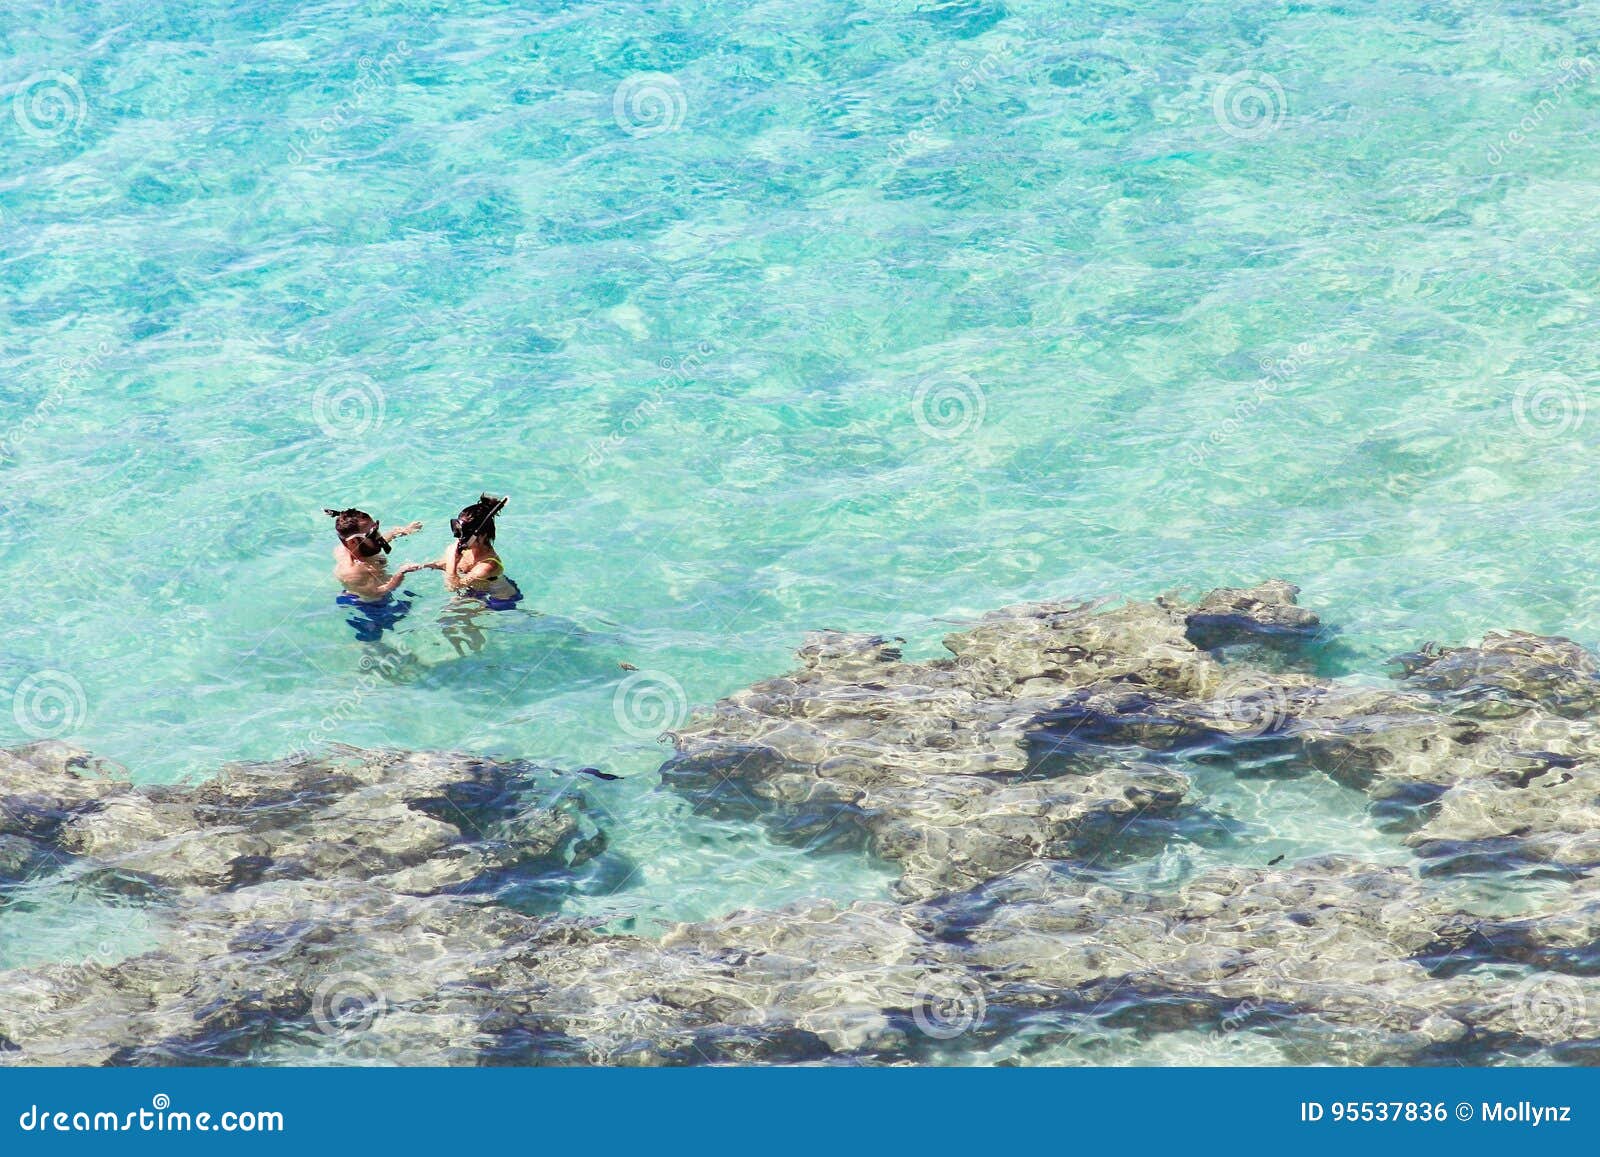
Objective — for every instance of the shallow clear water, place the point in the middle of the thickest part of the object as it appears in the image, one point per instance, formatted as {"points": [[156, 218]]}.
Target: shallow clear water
{"points": [[805, 315]]}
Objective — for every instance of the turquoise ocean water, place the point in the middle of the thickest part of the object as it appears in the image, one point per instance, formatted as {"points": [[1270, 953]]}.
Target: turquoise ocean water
{"points": [[768, 318]]}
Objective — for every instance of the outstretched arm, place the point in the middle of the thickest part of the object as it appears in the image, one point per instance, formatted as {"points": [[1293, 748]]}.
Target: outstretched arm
{"points": [[401, 531], [400, 575]]}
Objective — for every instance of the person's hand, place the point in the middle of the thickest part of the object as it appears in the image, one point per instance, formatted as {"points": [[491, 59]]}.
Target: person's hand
{"points": [[409, 528], [411, 568]]}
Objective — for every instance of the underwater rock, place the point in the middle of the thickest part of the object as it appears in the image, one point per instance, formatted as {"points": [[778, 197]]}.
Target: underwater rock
{"points": [[1339, 961], [1048, 648], [1266, 612], [43, 784], [959, 769], [349, 906], [1485, 756], [243, 970], [353, 969], [926, 761], [1508, 674], [1019, 746], [1322, 953], [1547, 814], [21, 859], [420, 821]]}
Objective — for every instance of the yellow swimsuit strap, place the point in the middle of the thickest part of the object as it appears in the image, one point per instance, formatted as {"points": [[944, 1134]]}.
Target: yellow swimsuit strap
{"points": [[499, 567]]}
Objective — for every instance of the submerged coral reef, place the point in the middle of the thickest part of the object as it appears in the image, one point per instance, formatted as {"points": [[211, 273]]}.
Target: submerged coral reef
{"points": [[376, 904]]}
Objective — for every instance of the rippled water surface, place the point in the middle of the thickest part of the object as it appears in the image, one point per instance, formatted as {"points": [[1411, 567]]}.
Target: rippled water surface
{"points": [[768, 318]]}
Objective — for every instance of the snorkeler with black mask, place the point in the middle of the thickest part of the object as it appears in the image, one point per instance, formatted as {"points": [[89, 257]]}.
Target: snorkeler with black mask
{"points": [[471, 566], [361, 566]]}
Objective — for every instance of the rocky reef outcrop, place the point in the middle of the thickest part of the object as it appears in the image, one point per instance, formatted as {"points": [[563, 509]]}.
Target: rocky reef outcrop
{"points": [[361, 905], [415, 822], [1337, 961], [961, 767]]}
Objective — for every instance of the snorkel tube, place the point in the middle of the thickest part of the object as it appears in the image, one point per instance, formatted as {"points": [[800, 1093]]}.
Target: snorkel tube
{"points": [[477, 519]]}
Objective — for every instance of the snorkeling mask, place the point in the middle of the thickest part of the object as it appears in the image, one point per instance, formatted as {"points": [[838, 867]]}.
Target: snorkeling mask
{"points": [[369, 535], [477, 518]]}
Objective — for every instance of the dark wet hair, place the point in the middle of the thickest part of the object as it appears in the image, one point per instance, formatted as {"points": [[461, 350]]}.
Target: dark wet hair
{"points": [[358, 530], [477, 520]]}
